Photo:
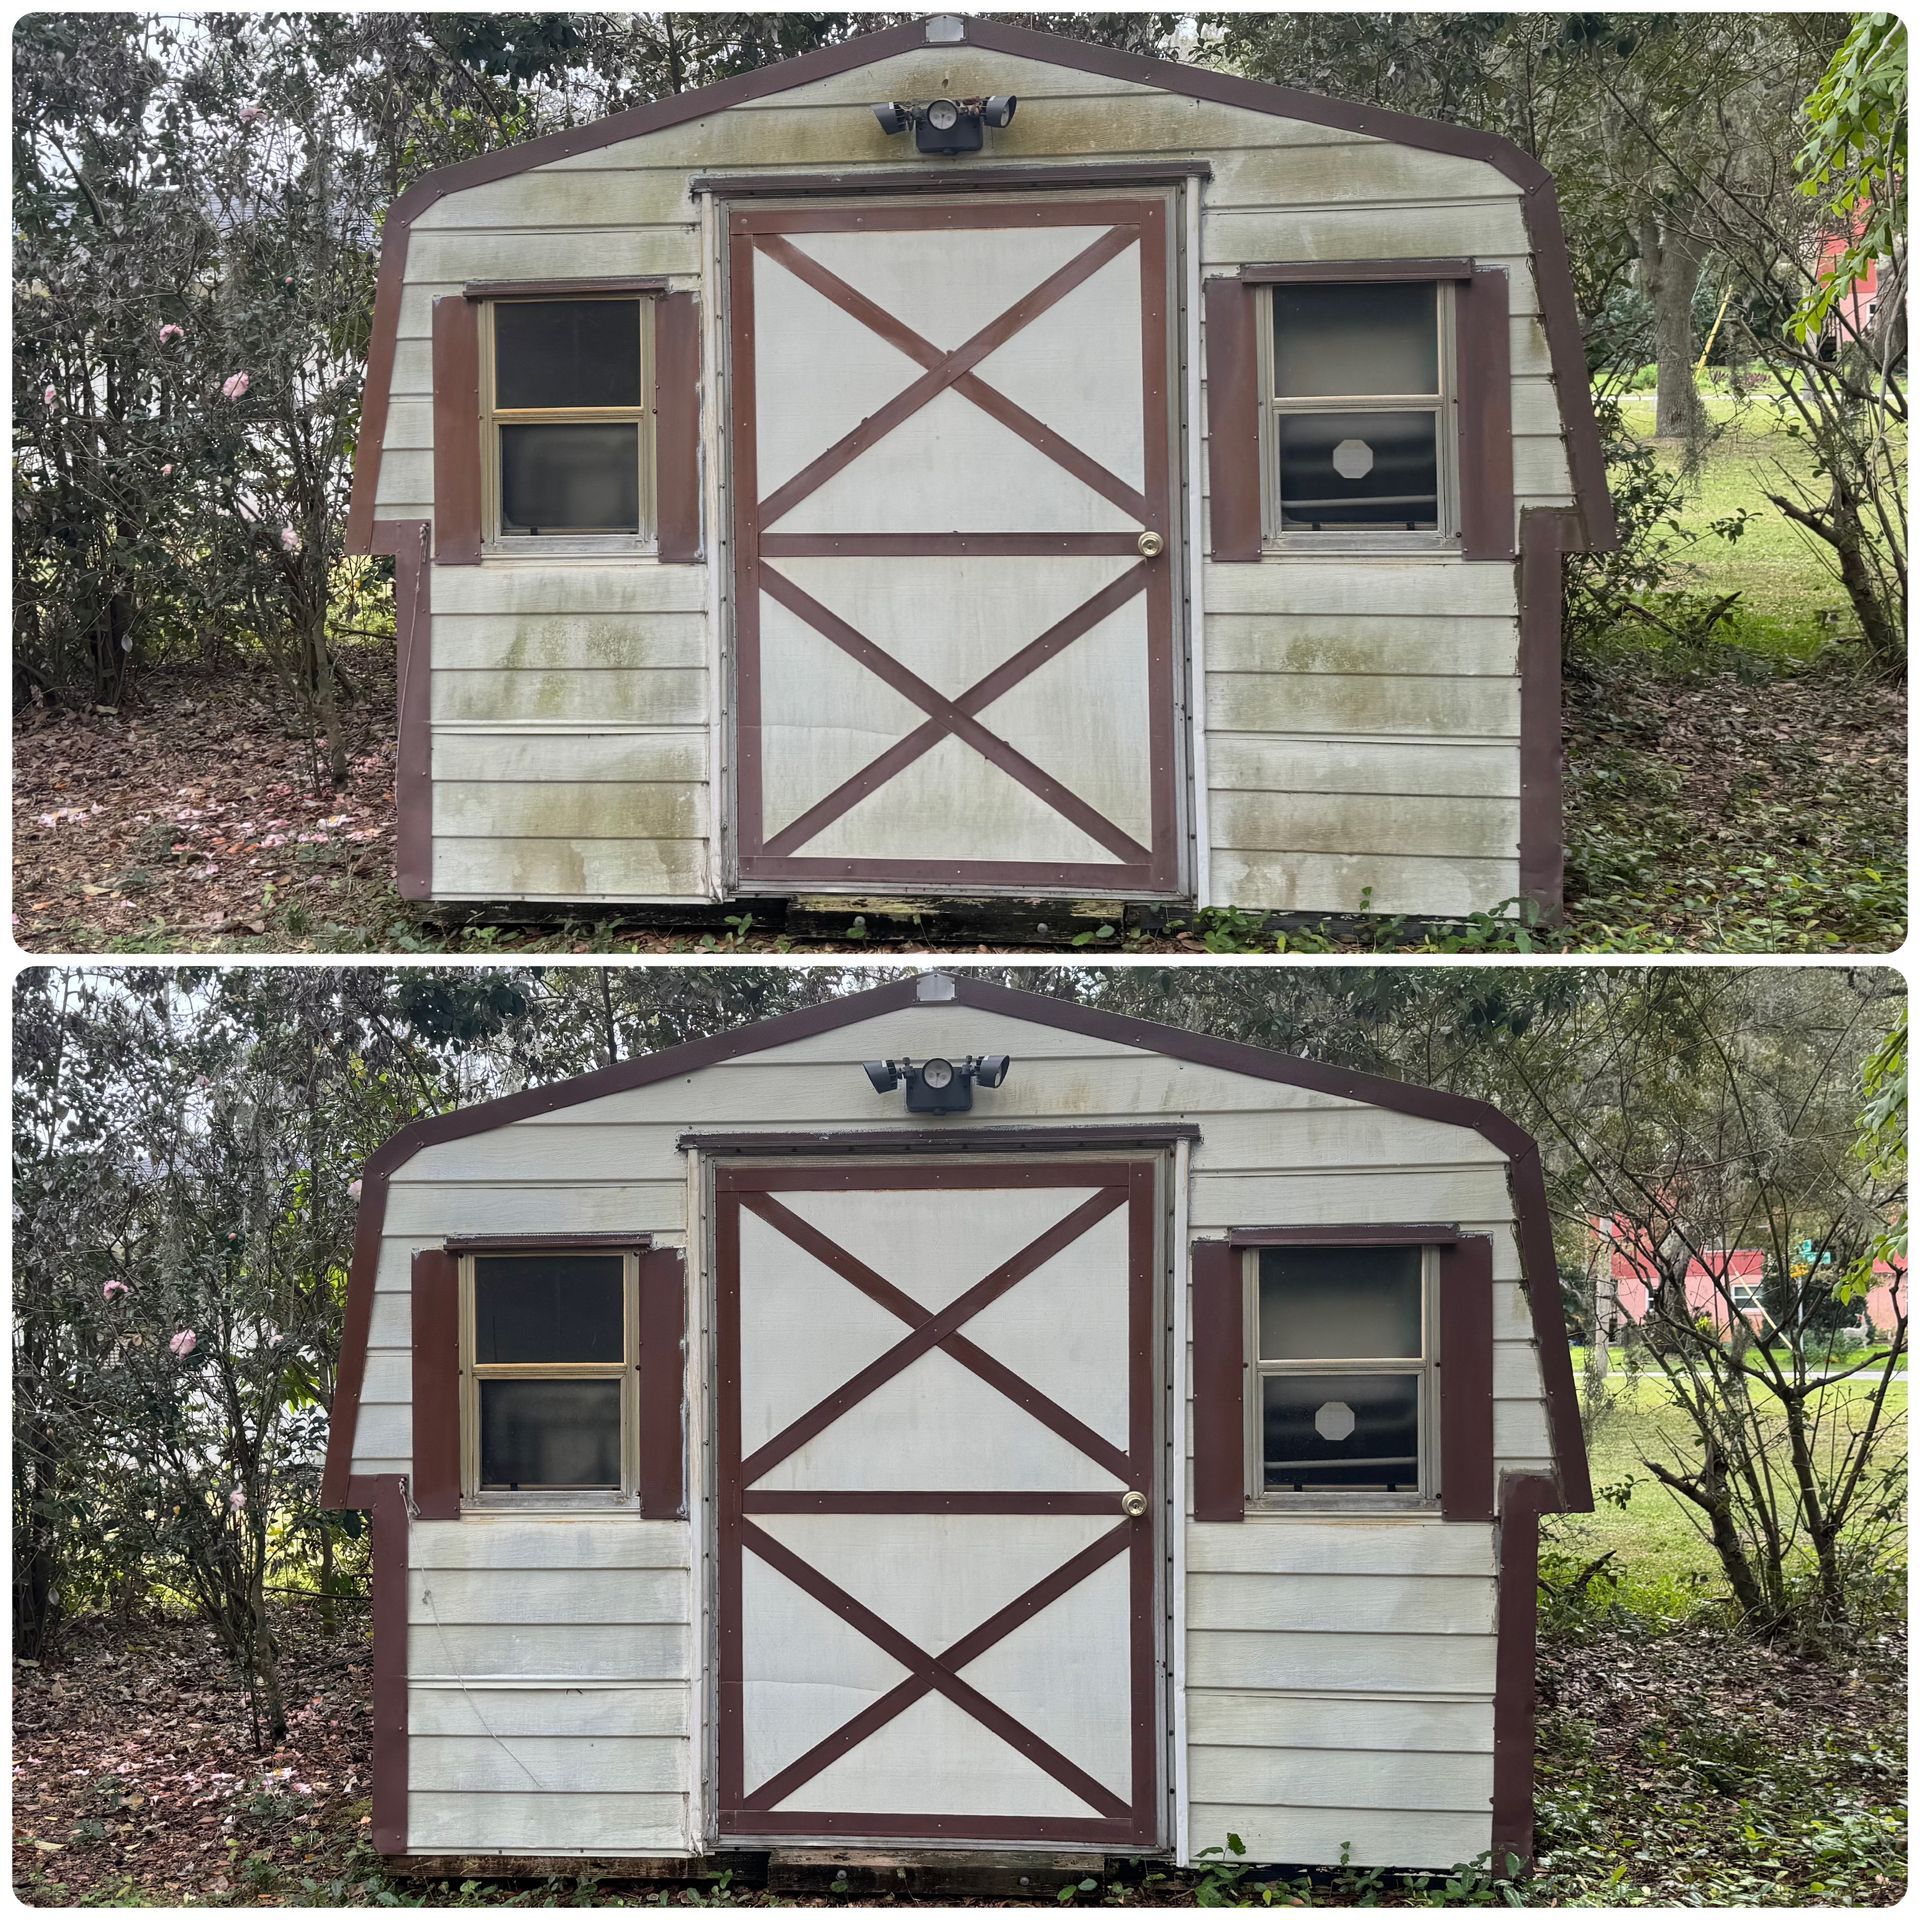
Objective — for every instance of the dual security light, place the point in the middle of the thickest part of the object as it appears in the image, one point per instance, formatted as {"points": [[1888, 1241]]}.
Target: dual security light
{"points": [[938, 1086], [946, 126]]}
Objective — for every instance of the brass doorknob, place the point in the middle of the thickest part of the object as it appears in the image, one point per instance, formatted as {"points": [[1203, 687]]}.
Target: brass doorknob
{"points": [[1151, 545], [1133, 1504]]}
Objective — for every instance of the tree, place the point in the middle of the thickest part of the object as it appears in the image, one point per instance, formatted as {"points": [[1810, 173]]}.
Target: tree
{"points": [[1854, 164]]}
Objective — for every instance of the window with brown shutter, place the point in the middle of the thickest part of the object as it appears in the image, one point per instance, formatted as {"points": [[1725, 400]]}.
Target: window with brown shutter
{"points": [[1343, 1368], [1359, 406], [566, 421]]}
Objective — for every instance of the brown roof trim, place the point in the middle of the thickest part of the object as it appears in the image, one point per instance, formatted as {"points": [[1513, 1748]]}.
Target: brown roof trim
{"points": [[411, 544], [1049, 173], [962, 1139], [1533, 1224], [1547, 535], [1523, 1499], [1539, 204]]}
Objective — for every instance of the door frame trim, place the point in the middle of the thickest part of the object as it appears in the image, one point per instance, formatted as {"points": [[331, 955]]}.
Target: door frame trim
{"points": [[1150, 1828], [1176, 808]]}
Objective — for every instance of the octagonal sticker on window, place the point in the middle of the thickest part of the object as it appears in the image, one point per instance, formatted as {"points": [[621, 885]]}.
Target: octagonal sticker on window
{"points": [[1334, 1421], [1353, 459]]}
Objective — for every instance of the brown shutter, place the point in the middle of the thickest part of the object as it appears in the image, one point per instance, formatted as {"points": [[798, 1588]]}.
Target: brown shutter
{"points": [[1233, 420], [1485, 383], [1466, 1380], [456, 431], [436, 1384], [1219, 1384], [676, 403], [663, 1319]]}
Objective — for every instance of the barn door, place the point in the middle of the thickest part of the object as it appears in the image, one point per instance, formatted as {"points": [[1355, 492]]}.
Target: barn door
{"points": [[954, 534], [938, 1505]]}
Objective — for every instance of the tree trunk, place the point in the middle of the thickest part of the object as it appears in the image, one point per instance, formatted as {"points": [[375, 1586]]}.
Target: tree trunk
{"points": [[1670, 264], [1599, 1360], [326, 696]]}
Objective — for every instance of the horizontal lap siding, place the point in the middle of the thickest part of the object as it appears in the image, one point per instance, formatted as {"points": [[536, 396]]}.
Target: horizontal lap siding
{"points": [[570, 732], [1307, 713], [1339, 1672], [1340, 1689], [550, 1686]]}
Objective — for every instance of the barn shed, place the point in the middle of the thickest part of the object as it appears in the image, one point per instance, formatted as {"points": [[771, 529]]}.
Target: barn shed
{"points": [[966, 463], [953, 1419]]}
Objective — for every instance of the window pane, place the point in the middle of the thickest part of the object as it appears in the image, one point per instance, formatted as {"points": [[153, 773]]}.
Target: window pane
{"points": [[570, 479], [535, 1309], [1340, 1303], [550, 1433], [1341, 1430], [1354, 340], [567, 353], [1358, 470]]}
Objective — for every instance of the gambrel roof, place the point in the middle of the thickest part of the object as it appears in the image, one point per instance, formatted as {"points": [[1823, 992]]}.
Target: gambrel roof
{"points": [[1539, 202], [933, 992]]}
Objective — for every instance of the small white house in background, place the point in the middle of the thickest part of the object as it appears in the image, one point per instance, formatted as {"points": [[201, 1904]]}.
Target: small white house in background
{"points": [[953, 1419], [1161, 499]]}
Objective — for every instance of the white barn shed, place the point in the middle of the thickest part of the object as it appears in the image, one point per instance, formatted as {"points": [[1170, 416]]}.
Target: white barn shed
{"points": [[1161, 501], [954, 1419]]}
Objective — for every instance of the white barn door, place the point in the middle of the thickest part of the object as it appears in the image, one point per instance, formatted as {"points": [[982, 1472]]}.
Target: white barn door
{"points": [[953, 510], [938, 1504]]}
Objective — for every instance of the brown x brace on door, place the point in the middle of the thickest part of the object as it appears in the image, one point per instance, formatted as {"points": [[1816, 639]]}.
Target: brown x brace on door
{"points": [[939, 1594], [953, 607]]}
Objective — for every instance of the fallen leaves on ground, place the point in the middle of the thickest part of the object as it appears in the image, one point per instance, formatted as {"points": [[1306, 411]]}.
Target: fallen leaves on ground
{"points": [[1687, 1767], [192, 818], [1692, 1767], [1720, 808], [1722, 811]]}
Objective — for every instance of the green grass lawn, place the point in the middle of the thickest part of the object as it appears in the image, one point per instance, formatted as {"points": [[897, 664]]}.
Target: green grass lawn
{"points": [[1662, 1563], [1791, 603]]}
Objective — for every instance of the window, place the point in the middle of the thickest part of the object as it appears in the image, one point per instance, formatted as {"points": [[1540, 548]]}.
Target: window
{"points": [[1357, 434], [566, 428], [548, 1356], [1341, 1343]]}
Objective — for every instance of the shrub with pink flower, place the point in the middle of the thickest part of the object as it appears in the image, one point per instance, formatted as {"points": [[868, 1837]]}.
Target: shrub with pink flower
{"points": [[289, 540], [113, 1290], [183, 1343], [171, 332], [234, 387], [237, 1499], [49, 398]]}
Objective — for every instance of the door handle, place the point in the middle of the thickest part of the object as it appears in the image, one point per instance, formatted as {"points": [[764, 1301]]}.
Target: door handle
{"points": [[1151, 545], [1133, 1504]]}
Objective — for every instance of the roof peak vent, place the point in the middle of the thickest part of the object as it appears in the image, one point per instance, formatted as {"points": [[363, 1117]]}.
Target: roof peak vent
{"points": [[933, 986], [946, 30]]}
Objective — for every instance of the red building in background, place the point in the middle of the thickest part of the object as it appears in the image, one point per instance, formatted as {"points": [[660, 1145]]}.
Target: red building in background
{"points": [[1722, 1281]]}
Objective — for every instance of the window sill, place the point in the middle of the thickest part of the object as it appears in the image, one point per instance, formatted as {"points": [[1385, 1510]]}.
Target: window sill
{"points": [[574, 1504], [562, 547], [1309, 1506], [1337, 546]]}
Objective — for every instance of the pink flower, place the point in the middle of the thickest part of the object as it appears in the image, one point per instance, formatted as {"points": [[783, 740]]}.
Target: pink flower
{"points": [[113, 1290], [353, 1189], [50, 398], [170, 333], [183, 1343], [237, 1499], [234, 387], [289, 540], [249, 114], [167, 469]]}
